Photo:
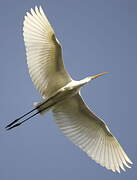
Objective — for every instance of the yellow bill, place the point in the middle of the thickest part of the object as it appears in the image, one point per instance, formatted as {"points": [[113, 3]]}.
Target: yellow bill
{"points": [[96, 76]]}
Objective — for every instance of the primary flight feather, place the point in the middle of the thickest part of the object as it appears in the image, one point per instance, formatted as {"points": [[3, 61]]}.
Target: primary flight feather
{"points": [[61, 94]]}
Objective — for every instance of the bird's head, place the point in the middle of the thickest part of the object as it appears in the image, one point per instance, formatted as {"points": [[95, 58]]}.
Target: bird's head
{"points": [[89, 78]]}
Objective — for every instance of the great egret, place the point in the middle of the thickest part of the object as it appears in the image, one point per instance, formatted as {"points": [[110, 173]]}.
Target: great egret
{"points": [[61, 94]]}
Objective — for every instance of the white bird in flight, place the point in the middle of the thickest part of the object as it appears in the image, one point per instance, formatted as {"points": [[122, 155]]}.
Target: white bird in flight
{"points": [[61, 94]]}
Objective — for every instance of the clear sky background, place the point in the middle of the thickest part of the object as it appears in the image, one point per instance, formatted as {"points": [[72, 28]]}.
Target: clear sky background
{"points": [[97, 36]]}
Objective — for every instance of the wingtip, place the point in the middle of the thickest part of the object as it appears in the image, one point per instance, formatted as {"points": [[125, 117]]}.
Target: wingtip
{"points": [[36, 8], [40, 7]]}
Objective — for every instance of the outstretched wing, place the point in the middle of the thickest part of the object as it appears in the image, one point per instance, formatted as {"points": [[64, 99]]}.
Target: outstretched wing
{"points": [[44, 56], [90, 133]]}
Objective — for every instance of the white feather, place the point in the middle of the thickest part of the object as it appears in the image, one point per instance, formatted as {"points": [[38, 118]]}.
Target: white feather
{"points": [[44, 56], [89, 133]]}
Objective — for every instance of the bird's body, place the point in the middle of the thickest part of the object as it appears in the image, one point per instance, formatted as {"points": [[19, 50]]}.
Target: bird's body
{"points": [[68, 91], [61, 94]]}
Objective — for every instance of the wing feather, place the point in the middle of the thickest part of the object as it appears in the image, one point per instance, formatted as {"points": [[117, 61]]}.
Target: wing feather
{"points": [[104, 155], [44, 54], [113, 157], [99, 150], [90, 133]]}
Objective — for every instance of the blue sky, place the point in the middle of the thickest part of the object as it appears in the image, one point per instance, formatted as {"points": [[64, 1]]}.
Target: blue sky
{"points": [[97, 36]]}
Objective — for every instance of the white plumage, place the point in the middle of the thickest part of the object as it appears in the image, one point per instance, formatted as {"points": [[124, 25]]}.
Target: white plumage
{"points": [[44, 55], [76, 121]]}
